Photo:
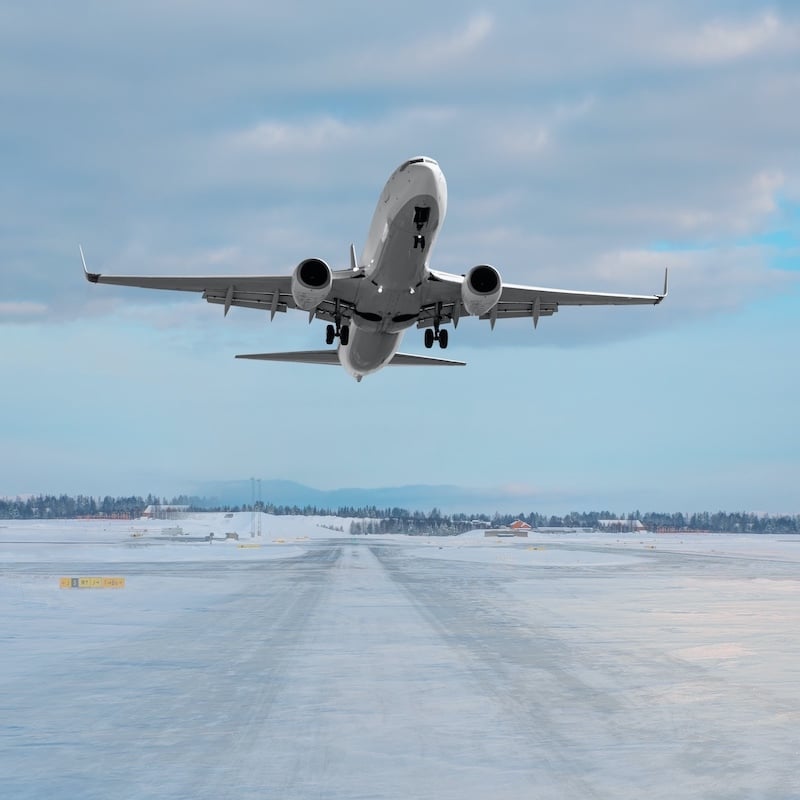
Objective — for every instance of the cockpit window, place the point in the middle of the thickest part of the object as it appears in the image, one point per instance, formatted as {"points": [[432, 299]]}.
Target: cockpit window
{"points": [[420, 160]]}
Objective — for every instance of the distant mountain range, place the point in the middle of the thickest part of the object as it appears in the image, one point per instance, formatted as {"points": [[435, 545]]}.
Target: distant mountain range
{"points": [[448, 499]]}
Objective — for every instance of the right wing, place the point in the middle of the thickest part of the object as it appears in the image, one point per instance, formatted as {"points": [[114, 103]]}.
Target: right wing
{"points": [[272, 293], [443, 296]]}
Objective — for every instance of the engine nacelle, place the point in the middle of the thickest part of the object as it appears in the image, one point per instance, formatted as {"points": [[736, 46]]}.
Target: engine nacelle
{"points": [[481, 290], [311, 283]]}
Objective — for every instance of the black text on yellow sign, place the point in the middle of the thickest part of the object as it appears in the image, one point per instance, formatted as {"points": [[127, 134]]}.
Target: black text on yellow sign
{"points": [[93, 582]]}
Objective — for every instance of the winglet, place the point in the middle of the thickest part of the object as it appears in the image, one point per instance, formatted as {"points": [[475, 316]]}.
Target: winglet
{"points": [[666, 285], [92, 277]]}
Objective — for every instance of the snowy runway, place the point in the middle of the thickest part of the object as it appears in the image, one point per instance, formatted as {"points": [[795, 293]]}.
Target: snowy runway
{"points": [[397, 667]]}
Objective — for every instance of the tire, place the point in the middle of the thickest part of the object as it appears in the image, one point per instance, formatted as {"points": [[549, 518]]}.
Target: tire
{"points": [[344, 335], [443, 339], [330, 333], [429, 338]]}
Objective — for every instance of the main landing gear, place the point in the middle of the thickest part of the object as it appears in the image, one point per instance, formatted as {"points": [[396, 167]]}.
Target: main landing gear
{"points": [[432, 336], [342, 332]]}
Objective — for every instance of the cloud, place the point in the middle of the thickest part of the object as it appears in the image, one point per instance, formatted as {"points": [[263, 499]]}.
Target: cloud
{"points": [[20, 311], [562, 138], [404, 58], [321, 136], [463, 42], [278, 137], [725, 40]]}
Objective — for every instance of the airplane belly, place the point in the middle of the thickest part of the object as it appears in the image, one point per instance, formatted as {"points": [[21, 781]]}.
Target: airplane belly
{"points": [[389, 299], [367, 352], [389, 311]]}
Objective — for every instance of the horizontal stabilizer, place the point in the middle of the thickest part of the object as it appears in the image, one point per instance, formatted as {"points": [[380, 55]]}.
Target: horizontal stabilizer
{"points": [[298, 357], [410, 360], [332, 357]]}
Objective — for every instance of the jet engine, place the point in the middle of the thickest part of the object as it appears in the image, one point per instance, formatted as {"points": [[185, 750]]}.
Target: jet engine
{"points": [[481, 290], [311, 283]]}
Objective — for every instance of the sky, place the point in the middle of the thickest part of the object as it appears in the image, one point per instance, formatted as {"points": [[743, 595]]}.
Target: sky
{"points": [[585, 146]]}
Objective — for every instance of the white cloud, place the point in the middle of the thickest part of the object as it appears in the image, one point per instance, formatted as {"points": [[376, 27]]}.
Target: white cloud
{"points": [[546, 174], [460, 43], [744, 210], [534, 131], [726, 40], [763, 190], [281, 137], [702, 280], [16, 311], [319, 135]]}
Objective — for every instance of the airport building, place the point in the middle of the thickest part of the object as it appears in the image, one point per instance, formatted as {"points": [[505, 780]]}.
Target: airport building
{"points": [[620, 525], [517, 528], [165, 512]]}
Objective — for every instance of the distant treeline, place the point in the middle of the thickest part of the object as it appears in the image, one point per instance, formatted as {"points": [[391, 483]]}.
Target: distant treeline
{"points": [[397, 520]]}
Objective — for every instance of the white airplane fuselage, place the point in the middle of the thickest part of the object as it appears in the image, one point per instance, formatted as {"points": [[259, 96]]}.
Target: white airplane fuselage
{"points": [[395, 259]]}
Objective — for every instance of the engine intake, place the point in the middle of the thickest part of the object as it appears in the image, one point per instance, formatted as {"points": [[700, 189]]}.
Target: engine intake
{"points": [[311, 283], [481, 290]]}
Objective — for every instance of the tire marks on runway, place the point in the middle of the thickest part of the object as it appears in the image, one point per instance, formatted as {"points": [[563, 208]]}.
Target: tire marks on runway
{"points": [[525, 668]]}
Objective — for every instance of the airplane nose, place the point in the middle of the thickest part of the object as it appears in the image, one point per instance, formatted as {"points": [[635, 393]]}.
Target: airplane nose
{"points": [[434, 182], [418, 160]]}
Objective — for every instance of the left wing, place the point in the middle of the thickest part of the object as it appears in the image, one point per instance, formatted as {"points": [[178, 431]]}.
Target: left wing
{"points": [[516, 300], [272, 293]]}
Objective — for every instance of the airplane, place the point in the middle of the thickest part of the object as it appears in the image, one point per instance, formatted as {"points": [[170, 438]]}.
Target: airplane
{"points": [[392, 287]]}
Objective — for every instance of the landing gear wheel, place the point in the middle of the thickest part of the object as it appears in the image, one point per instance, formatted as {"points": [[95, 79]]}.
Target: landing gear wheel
{"points": [[443, 340], [429, 337], [330, 334], [344, 335]]}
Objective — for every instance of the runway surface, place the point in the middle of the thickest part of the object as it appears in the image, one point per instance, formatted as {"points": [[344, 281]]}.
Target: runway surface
{"points": [[391, 668]]}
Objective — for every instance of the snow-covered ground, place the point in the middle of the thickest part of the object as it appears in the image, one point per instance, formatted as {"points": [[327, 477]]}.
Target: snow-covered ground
{"points": [[311, 664]]}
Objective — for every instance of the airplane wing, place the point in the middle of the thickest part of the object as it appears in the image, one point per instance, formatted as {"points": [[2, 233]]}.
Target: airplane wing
{"points": [[517, 300], [272, 293], [332, 357]]}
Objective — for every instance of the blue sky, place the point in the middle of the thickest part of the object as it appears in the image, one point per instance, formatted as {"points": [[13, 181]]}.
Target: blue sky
{"points": [[583, 148]]}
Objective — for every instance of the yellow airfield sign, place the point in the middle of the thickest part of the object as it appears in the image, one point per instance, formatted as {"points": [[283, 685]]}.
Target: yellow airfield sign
{"points": [[93, 582]]}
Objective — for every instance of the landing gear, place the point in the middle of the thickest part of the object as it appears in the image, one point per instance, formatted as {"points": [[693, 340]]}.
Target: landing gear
{"points": [[432, 336], [342, 332]]}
